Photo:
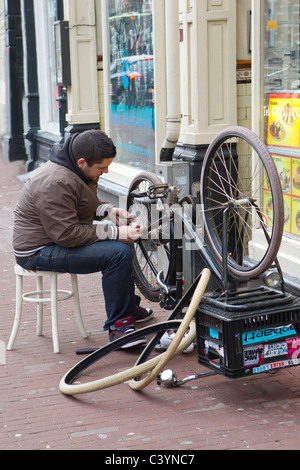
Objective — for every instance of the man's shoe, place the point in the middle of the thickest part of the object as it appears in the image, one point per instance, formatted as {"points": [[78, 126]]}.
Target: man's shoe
{"points": [[123, 327], [143, 314]]}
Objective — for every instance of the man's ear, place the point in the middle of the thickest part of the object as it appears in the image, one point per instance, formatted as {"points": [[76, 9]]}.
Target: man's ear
{"points": [[81, 163]]}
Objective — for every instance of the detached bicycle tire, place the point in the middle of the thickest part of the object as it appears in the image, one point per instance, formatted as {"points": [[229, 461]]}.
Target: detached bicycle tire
{"points": [[68, 387], [185, 335]]}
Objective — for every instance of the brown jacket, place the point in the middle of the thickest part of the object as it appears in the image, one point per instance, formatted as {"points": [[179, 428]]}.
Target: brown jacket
{"points": [[57, 206]]}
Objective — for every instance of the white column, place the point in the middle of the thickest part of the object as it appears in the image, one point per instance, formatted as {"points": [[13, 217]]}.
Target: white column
{"points": [[83, 93], [208, 68]]}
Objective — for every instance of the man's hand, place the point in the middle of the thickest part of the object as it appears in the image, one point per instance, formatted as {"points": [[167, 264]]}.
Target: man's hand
{"points": [[129, 234], [120, 216]]}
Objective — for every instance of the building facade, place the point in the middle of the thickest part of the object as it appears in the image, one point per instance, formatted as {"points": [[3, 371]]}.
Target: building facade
{"points": [[162, 78]]}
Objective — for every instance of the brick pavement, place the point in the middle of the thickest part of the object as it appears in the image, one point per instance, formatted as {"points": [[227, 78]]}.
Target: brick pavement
{"points": [[214, 413]]}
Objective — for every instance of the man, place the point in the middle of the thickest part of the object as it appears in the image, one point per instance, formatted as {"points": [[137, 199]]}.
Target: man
{"points": [[54, 227]]}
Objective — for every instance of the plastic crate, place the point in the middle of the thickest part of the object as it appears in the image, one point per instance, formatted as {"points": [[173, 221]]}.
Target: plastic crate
{"points": [[249, 332]]}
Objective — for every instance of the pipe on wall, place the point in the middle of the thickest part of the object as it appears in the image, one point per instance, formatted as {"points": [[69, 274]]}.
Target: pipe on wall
{"points": [[173, 80]]}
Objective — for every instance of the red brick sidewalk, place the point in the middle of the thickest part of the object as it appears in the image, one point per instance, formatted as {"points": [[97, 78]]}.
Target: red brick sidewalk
{"points": [[207, 414]]}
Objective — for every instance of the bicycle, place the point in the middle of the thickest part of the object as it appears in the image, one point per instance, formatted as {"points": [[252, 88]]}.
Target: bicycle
{"points": [[241, 199]]}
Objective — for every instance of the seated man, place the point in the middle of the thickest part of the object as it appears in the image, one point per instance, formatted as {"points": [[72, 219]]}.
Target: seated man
{"points": [[54, 227]]}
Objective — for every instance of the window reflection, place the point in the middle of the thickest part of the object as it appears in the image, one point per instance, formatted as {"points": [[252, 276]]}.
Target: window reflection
{"points": [[132, 82]]}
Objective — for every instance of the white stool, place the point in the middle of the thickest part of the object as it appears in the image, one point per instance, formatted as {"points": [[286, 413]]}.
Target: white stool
{"points": [[56, 295]]}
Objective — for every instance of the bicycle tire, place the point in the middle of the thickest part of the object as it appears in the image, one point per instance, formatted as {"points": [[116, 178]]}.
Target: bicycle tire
{"points": [[67, 386], [222, 184], [185, 335], [146, 251]]}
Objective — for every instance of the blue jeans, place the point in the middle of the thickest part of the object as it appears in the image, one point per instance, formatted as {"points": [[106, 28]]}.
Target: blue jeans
{"points": [[113, 258]]}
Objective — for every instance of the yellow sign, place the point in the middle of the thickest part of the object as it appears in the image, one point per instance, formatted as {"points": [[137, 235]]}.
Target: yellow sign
{"points": [[272, 24], [283, 115]]}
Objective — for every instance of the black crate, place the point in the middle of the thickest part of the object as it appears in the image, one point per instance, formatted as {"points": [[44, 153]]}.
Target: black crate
{"points": [[248, 332]]}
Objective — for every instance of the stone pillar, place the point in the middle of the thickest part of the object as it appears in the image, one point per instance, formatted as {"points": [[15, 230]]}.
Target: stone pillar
{"points": [[208, 80], [208, 77]]}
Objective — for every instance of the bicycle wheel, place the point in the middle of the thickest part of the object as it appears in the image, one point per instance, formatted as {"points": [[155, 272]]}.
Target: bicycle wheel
{"points": [[239, 174], [151, 254]]}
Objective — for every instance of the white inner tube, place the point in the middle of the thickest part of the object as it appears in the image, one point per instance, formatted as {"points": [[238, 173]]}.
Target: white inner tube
{"points": [[155, 365]]}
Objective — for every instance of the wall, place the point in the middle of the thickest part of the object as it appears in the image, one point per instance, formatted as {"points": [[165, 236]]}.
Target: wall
{"points": [[244, 110]]}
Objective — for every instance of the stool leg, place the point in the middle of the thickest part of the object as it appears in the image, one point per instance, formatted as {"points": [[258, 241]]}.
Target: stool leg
{"points": [[78, 316], [39, 323], [54, 318], [18, 312]]}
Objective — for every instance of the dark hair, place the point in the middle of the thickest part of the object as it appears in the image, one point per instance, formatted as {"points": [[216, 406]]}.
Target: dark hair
{"points": [[94, 146]]}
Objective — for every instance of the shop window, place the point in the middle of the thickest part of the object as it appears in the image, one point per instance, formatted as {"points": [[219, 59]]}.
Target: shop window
{"points": [[281, 64], [132, 113], [46, 13]]}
